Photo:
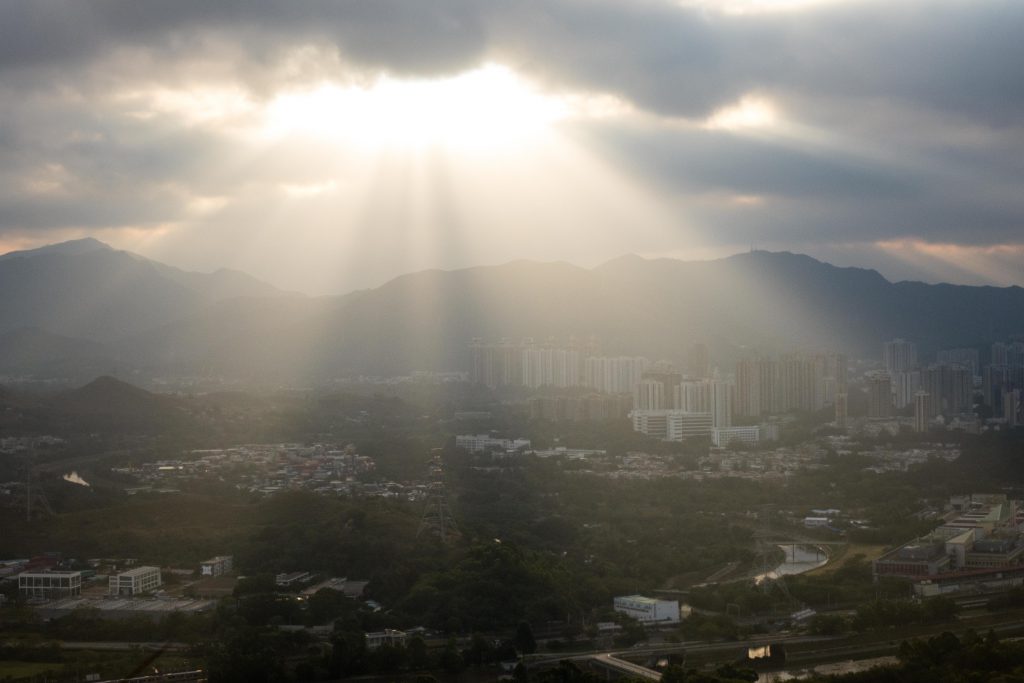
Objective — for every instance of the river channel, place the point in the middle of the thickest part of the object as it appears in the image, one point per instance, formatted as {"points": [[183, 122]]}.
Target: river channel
{"points": [[799, 558], [848, 666]]}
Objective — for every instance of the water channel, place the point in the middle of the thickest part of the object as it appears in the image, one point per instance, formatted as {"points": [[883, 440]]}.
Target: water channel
{"points": [[799, 558], [75, 478], [848, 666]]}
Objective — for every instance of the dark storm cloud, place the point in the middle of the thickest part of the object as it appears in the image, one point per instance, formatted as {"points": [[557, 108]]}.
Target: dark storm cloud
{"points": [[953, 55], [706, 160], [815, 195], [957, 56], [67, 164], [407, 37]]}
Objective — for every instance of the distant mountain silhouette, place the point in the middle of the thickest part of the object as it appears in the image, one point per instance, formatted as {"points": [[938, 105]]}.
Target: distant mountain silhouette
{"points": [[87, 289], [69, 248], [107, 395], [775, 302], [160, 321], [110, 405]]}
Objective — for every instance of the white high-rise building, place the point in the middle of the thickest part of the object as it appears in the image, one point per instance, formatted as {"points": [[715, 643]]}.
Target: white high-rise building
{"points": [[879, 395], [904, 387], [649, 394], [693, 396], [550, 367], [748, 388], [721, 403], [899, 355], [611, 375], [922, 411]]}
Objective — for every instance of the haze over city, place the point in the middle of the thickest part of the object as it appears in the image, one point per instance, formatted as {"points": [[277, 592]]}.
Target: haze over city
{"points": [[326, 147], [511, 341]]}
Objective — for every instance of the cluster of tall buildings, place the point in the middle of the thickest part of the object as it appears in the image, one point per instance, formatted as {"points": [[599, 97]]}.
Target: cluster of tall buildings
{"points": [[1002, 382], [660, 391], [573, 363], [614, 374], [566, 364], [667, 402], [673, 407], [947, 386], [792, 382]]}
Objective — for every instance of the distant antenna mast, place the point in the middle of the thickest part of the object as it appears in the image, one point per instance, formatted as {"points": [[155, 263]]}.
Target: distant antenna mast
{"points": [[28, 483]]}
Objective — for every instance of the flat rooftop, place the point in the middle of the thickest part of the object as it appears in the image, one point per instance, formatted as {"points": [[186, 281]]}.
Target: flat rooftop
{"points": [[126, 605], [638, 598], [139, 571]]}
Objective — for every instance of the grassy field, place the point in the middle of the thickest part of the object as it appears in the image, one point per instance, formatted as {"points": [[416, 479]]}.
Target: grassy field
{"points": [[115, 663], [14, 669], [839, 554]]}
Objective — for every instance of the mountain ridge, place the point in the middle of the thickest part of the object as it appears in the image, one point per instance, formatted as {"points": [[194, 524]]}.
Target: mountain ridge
{"points": [[161, 321]]}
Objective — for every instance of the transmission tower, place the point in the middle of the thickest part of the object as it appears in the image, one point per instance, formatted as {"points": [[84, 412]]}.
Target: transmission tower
{"points": [[437, 515], [38, 495], [766, 549]]}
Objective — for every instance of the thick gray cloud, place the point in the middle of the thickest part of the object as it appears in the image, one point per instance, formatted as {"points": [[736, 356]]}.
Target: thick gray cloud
{"points": [[954, 55], [906, 119]]}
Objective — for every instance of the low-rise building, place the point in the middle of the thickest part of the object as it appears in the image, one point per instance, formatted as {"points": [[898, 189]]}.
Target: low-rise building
{"points": [[992, 553], [292, 578], [388, 636], [482, 443], [983, 535], [135, 582], [648, 610], [216, 566], [923, 557], [745, 434], [50, 585]]}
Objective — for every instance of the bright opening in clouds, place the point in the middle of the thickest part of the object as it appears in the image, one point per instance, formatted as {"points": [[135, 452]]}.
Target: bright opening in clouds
{"points": [[750, 113], [487, 107]]}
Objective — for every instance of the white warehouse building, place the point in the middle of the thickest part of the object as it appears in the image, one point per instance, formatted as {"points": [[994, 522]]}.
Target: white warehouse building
{"points": [[648, 610], [135, 581]]}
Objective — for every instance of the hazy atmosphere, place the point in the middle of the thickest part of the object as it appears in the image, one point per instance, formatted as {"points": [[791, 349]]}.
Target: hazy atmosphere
{"points": [[511, 341], [325, 147]]}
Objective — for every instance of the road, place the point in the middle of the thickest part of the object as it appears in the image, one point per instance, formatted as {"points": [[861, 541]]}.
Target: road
{"points": [[629, 668], [826, 648]]}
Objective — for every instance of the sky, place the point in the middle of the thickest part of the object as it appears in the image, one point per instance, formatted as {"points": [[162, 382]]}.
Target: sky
{"points": [[330, 146]]}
